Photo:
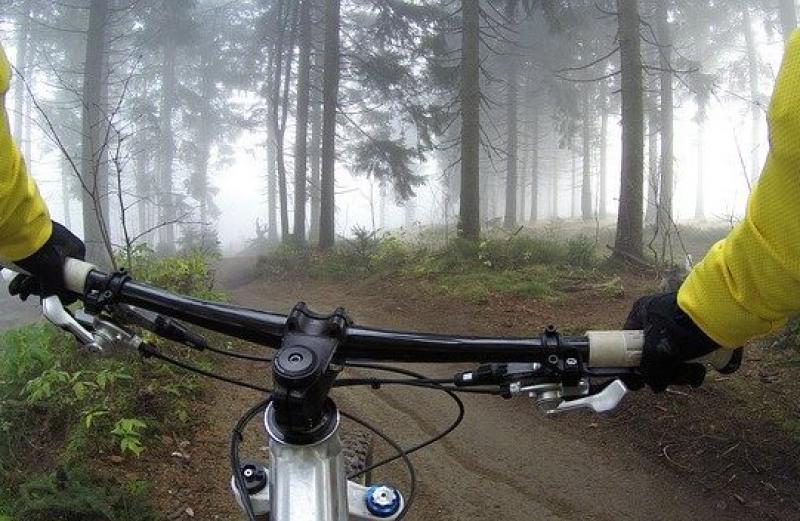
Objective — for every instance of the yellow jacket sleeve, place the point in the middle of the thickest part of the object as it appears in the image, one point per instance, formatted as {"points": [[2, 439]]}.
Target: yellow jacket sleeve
{"points": [[24, 222], [749, 283]]}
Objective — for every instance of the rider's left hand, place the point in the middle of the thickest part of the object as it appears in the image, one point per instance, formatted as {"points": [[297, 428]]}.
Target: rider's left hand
{"points": [[46, 266]]}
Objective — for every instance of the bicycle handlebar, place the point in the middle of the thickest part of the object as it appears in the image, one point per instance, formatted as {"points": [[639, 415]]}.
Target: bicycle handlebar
{"points": [[597, 349]]}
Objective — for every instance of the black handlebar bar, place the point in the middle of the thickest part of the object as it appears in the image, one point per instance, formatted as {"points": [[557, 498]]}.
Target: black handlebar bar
{"points": [[356, 343]]}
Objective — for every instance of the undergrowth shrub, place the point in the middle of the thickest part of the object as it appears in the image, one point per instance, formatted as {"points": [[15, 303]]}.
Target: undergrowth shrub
{"points": [[370, 252], [74, 493], [512, 264], [188, 273], [75, 407]]}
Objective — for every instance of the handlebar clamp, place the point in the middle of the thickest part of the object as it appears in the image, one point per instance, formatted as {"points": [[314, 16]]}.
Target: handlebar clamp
{"points": [[564, 360], [96, 300], [303, 372]]}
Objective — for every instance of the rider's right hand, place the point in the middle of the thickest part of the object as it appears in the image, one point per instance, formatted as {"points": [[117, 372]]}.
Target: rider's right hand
{"points": [[671, 340], [46, 266]]}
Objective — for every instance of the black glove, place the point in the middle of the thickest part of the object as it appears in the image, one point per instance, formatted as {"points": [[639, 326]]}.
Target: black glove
{"points": [[46, 267], [671, 339]]}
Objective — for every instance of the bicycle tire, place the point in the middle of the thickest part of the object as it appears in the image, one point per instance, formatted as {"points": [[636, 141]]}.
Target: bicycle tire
{"points": [[357, 451]]}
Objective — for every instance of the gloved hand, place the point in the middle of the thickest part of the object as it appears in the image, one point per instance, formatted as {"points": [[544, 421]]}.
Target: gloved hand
{"points": [[671, 339], [46, 267]]}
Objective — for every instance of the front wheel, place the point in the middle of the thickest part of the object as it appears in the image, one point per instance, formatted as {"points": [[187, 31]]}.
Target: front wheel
{"points": [[357, 451]]}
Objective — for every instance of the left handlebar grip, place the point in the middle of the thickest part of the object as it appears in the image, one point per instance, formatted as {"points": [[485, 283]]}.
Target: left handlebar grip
{"points": [[75, 274]]}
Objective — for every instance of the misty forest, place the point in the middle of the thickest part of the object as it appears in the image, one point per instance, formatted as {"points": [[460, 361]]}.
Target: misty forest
{"points": [[459, 166], [380, 115]]}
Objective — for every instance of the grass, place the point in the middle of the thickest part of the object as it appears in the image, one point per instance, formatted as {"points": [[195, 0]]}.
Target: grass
{"points": [[524, 264], [478, 285]]}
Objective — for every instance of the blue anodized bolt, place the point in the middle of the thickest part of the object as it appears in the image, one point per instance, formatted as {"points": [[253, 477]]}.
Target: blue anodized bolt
{"points": [[382, 500]]}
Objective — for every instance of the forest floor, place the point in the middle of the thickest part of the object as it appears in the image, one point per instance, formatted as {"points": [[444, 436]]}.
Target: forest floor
{"points": [[726, 451]]}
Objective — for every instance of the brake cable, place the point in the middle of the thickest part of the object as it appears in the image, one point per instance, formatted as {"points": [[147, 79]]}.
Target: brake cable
{"points": [[149, 351]]}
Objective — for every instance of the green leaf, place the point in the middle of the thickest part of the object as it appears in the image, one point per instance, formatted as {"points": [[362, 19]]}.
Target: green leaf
{"points": [[131, 445], [79, 388], [88, 420]]}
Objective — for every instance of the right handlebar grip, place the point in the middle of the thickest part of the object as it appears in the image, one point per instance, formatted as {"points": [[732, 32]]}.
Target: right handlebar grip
{"points": [[615, 348], [624, 349], [75, 273]]}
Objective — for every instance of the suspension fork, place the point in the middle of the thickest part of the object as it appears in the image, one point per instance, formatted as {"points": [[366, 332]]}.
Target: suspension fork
{"points": [[306, 479]]}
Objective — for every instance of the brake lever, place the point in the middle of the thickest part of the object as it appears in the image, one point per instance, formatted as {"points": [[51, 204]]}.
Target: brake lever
{"points": [[53, 310], [606, 400]]}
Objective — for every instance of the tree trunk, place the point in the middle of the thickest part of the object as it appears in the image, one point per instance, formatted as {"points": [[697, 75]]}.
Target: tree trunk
{"points": [[586, 182], [280, 103], [522, 186], [665, 195], [204, 140], [788, 14], [469, 221], [301, 124], [755, 111], [556, 174], [166, 200], [285, 104], [573, 195], [66, 197], [628, 239], [534, 166], [699, 205], [487, 202], [143, 189], [93, 145], [314, 156], [512, 133], [27, 134], [652, 166], [382, 207], [272, 188], [603, 181], [330, 96], [23, 30]]}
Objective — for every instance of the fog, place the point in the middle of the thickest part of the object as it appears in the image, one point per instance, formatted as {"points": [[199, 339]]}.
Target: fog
{"points": [[178, 113]]}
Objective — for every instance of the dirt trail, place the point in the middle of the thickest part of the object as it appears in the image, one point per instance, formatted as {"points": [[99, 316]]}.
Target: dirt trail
{"points": [[507, 461]]}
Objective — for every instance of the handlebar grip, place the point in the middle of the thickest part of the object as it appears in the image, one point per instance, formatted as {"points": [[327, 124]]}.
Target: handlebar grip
{"points": [[624, 349], [75, 273], [615, 348]]}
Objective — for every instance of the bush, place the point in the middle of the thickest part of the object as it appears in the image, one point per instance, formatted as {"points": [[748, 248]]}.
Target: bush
{"points": [[581, 252], [284, 259], [76, 406], [517, 252], [24, 352], [75, 494], [79, 406], [188, 273], [473, 270], [81, 398]]}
